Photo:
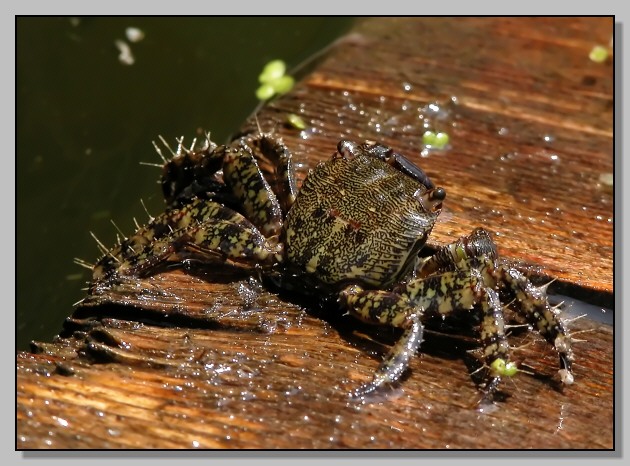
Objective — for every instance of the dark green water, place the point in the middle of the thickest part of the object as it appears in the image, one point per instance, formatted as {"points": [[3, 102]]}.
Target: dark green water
{"points": [[84, 122]]}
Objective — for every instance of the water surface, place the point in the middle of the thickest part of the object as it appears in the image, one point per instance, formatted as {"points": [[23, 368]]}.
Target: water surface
{"points": [[85, 121]]}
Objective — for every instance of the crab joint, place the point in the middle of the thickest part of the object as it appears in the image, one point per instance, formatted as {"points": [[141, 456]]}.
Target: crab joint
{"points": [[431, 200]]}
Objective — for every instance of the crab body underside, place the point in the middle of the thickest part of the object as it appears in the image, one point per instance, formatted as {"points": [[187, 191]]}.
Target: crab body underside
{"points": [[353, 231]]}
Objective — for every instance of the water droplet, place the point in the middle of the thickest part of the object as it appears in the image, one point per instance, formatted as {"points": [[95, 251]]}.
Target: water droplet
{"points": [[134, 34], [62, 422]]}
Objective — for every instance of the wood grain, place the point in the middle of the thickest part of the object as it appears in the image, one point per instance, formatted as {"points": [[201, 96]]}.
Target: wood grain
{"points": [[211, 359]]}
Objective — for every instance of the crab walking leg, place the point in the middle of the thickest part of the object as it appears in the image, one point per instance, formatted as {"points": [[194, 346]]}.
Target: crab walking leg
{"points": [[284, 170], [150, 246], [227, 240], [534, 306], [382, 307], [190, 169], [493, 340], [465, 253], [478, 253], [244, 178], [461, 290]]}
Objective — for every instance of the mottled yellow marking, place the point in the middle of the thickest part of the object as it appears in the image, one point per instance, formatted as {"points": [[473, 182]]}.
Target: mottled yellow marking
{"points": [[445, 306], [488, 326], [148, 234], [355, 271], [466, 298], [184, 221], [200, 236], [263, 197], [445, 285], [214, 242], [398, 319], [490, 350], [338, 226], [311, 266]]}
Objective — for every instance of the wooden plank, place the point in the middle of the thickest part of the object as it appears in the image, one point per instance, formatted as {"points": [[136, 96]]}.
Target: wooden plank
{"points": [[212, 360], [226, 365], [514, 91]]}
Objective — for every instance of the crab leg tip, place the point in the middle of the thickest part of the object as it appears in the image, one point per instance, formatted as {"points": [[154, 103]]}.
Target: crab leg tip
{"points": [[566, 377]]}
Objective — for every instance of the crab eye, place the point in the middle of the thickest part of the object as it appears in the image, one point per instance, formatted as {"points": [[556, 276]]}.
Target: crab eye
{"points": [[438, 194], [431, 200]]}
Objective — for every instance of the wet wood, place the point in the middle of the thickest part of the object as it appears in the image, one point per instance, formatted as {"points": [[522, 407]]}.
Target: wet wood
{"points": [[210, 359]]}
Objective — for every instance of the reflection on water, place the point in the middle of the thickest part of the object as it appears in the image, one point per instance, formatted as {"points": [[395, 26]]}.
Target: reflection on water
{"points": [[573, 308], [87, 111]]}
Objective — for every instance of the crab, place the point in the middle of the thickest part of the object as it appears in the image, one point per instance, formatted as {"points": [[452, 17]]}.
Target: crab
{"points": [[353, 232]]}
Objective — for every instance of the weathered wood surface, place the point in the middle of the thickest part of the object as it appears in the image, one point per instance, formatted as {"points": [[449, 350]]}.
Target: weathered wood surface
{"points": [[209, 360]]}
